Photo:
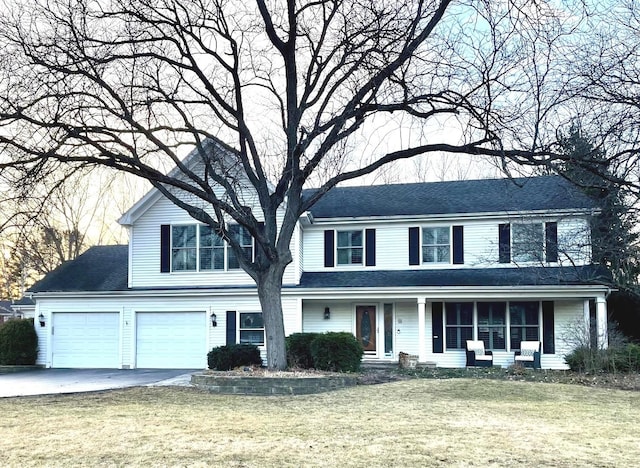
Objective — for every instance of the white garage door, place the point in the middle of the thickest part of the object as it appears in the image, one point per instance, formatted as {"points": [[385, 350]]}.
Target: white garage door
{"points": [[171, 340], [85, 340]]}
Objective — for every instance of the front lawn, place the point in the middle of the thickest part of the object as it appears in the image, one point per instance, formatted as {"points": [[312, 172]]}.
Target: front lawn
{"points": [[417, 422]]}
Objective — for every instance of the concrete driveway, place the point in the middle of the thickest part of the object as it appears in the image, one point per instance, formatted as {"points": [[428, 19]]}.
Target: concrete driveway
{"points": [[51, 381]]}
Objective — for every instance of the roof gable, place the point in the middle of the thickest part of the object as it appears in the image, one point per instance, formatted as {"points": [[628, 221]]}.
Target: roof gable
{"points": [[545, 193]]}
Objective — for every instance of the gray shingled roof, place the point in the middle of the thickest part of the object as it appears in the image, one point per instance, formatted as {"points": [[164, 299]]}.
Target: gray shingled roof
{"points": [[468, 196], [101, 268], [530, 276]]}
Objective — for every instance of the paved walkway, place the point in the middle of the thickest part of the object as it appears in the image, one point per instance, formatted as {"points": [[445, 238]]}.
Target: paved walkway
{"points": [[52, 381]]}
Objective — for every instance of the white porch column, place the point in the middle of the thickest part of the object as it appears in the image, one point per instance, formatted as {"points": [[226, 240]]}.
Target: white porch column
{"points": [[601, 322], [422, 346]]}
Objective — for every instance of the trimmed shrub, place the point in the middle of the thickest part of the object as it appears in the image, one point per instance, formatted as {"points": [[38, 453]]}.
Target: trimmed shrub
{"points": [[339, 352], [18, 343], [618, 358], [299, 350], [235, 355]]}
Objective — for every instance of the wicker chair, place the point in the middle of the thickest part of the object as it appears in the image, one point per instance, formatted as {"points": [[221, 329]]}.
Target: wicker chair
{"points": [[477, 356], [529, 354]]}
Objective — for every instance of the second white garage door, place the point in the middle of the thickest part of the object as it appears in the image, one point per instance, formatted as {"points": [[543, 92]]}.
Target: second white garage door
{"points": [[171, 340]]}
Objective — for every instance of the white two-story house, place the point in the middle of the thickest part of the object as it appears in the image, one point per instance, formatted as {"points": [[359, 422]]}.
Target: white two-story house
{"points": [[415, 268]]}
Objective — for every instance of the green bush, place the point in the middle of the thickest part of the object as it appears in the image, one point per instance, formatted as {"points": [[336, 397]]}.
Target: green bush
{"points": [[339, 352], [235, 355], [299, 350], [18, 343]]}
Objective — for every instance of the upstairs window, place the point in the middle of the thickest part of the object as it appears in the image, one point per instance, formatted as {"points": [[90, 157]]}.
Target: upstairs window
{"points": [[350, 247], [527, 242], [241, 234], [436, 245], [211, 249], [199, 248], [184, 247]]}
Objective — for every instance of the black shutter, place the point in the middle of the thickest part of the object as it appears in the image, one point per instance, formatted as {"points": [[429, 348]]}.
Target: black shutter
{"points": [[231, 327], [437, 328], [370, 254], [165, 248], [329, 248], [504, 243], [458, 245], [551, 240], [414, 246], [548, 332]]}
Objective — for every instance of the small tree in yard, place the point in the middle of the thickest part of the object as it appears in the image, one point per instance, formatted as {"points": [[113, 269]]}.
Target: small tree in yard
{"points": [[299, 89]]}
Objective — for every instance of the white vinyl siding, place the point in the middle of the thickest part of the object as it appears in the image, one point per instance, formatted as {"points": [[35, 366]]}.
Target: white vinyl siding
{"points": [[480, 244], [145, 256]]}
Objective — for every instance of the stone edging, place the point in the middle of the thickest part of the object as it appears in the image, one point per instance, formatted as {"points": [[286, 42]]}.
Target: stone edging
{"points": [[239, 385]]}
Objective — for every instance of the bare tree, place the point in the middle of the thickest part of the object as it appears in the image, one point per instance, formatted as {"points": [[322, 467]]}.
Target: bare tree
{"points": [[294, 87], [50, 225]]}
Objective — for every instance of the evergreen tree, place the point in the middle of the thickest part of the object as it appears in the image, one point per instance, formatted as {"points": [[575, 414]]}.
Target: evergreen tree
{"points": [[614, 237]]}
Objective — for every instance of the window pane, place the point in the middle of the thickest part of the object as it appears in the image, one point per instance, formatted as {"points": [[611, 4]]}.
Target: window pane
{"points": [[255, 337], [183, 248], [436, 245], [251, 320], [209, 238], [241, 234], [349, 248], [459, 329], [443, 254], [183, 259], [183, 236], [492, 328]]}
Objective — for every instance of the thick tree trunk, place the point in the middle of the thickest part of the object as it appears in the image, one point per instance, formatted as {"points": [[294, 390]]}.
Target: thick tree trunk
{"points": [[270, 295]]}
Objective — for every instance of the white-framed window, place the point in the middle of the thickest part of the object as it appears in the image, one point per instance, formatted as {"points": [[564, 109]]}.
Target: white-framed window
{"points": [[212, 249], [197, 247], [242, 235], [251, 328], [350, 247], [184, 247], [436, 244], [527, 242]]}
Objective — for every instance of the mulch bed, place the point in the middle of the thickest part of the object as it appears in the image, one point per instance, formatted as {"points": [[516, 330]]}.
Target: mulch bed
{"points": [[379, 376]]}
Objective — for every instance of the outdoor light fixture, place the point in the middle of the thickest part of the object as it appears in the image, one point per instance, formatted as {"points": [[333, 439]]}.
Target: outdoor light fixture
{"points": [[41, 319], [327, 313], [214, 319]]}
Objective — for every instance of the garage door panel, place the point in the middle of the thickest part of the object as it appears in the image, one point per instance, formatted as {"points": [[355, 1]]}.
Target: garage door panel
{"points": [[171, 340], [86, 339]]}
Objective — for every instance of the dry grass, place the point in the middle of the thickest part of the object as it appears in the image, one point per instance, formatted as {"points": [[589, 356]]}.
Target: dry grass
{"points": [[459, 422]]}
